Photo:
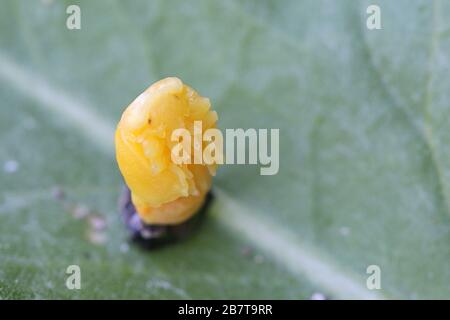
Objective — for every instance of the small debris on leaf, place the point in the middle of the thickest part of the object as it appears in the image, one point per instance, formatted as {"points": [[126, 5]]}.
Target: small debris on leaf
{"points": [[96, 237], [58, 193], [97, 222], [345, 231], [11, 166], [318, 296], [80, 211]]}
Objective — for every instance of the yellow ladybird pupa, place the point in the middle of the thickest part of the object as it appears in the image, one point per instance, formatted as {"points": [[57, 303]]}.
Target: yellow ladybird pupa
{"points": [[163, 192]]}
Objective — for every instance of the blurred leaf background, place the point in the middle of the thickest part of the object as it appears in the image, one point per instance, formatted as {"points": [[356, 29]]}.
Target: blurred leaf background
{"points": [[364, 160]]}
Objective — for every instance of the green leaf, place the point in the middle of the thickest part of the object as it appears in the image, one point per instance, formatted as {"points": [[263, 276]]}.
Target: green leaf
{"points": [[364, 169]]}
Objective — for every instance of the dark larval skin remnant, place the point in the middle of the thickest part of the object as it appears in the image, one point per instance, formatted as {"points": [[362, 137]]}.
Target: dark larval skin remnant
{"points": [[154, 236]]}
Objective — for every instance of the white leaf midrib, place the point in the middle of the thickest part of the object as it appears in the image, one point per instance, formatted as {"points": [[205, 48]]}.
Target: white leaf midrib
{"points": [[286, 248], [89, 123]]}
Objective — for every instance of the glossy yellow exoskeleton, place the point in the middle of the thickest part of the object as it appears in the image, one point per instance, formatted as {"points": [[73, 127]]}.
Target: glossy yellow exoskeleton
{"points": [[163, 192]]}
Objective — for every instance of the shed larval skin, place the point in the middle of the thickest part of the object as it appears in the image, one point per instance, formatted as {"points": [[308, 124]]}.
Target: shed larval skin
{"points": [[163, 192]]}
